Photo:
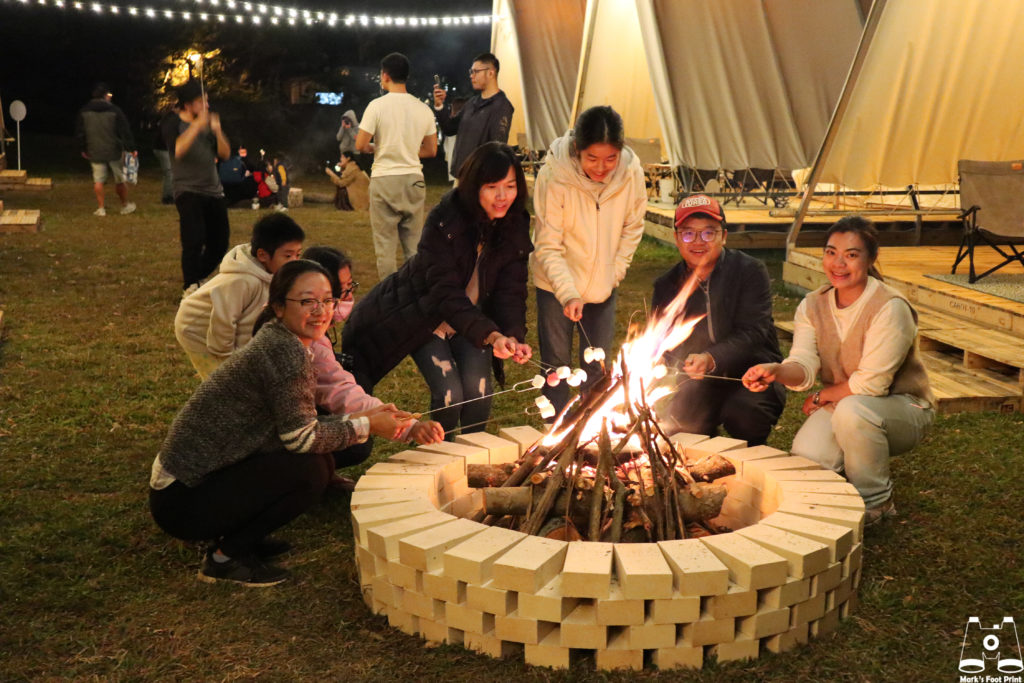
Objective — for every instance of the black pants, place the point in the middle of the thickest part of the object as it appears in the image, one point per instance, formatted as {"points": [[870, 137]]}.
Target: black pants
{"points": [[204, 230], [700, 406], [241, 504]]}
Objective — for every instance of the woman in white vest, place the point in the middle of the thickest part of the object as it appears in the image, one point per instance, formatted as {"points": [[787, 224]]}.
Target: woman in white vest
{"points": [[858, 333], [589, 201]]}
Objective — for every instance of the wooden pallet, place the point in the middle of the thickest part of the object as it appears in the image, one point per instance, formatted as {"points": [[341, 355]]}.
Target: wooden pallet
{"points": [[13, 180], [38, 184], [24, 220]]}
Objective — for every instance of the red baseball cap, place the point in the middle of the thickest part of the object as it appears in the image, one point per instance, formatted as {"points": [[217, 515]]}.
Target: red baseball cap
{"points": [[698, 203]]}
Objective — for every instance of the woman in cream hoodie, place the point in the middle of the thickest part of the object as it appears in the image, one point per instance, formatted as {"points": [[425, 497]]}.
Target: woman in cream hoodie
{"points": [[589, 202]]}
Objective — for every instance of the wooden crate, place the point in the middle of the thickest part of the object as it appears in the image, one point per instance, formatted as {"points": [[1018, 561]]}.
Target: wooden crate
{"points": [[24, 220], [38, 184], [12, 180]]}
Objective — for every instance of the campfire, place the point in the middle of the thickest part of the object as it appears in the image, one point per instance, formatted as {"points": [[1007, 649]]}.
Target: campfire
{"points": [[606, 470]]}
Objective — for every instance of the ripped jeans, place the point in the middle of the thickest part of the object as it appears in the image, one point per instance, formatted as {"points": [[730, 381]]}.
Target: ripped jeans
{"points": [[456, 371]]}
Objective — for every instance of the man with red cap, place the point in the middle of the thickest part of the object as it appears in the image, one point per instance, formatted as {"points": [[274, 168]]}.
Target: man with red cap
{"points": [[733, 293]]}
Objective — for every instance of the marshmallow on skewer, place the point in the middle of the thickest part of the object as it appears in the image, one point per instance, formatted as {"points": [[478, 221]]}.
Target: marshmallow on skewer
{"points": [[553, 379], [659, 371], [538, 381], [593, 354], [564, 372], [544, 405]]}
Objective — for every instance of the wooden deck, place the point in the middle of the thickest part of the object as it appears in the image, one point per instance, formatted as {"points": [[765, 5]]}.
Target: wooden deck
{"points": [[972, 343]]}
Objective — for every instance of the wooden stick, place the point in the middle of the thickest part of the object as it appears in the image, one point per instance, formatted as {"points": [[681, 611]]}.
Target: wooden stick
{"points": [[604, 450]]}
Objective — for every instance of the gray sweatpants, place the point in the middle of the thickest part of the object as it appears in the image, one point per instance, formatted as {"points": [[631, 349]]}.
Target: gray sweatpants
{"points": [[396, 214]]}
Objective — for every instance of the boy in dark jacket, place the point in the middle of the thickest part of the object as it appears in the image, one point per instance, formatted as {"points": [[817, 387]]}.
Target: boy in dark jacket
{"points": [[103, 135]]}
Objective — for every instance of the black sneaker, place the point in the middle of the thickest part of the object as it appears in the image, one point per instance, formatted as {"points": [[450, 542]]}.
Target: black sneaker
{"points": [[248, 571], [271, 547]]}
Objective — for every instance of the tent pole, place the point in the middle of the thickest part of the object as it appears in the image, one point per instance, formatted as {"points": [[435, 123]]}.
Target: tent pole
{"points": [[870, 28], [585, 46]]}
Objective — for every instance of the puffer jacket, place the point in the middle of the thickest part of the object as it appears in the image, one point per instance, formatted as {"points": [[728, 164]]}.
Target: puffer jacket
{"points": [[403, 310], [586, 231]]}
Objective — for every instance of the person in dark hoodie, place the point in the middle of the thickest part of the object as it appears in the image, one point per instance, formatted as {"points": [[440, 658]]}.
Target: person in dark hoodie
{"points": [[486, 117], [460, 300], [104, 135]]}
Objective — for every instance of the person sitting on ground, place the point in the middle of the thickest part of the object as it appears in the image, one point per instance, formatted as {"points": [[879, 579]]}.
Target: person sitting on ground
{"points": [[460, 300], [266, 185], [336, 388], [859, 334], [236, 179], [216, 319], [248, 453], [280, 172], [353, 185], [733, 292]]}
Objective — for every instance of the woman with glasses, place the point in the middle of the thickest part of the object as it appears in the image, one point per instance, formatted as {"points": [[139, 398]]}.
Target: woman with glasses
{"points": [[732, 293], [589, 201], [458, 306], [248, 452]]}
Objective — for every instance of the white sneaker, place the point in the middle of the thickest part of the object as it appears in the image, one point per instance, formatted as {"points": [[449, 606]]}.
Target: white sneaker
{"points": [[100, 212], [280, 208], [255, 204], [128, 208]]}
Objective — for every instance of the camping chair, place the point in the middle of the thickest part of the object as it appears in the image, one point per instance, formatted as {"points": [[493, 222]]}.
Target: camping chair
{"points": [[648, 150], [992, 210]]}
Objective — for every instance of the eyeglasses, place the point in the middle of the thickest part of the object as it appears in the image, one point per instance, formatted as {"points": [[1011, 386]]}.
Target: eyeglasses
{"points": [[474, 72], [313, 304], [688, 236], [349, 290]]}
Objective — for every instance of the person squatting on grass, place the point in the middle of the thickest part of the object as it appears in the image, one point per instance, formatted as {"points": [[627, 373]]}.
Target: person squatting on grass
{"points": [[460, 300], [217, 319], [248, 453], [859, 334], [589, 201], [336, 389]]}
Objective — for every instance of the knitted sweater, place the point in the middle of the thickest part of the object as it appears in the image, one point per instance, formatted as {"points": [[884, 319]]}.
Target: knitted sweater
{"points": [[260, 399]]}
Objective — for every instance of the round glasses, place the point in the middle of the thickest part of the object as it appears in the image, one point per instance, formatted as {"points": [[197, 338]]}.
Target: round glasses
{"points": [[688, 236], [349, 290], [313, 304]]}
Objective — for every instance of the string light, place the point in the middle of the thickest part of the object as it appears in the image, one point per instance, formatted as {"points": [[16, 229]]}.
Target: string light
{"points": [[255, 13]]}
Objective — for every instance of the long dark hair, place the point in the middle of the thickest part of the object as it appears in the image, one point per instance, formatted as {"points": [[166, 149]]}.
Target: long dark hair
{"points": [[489, 163], [598, 125], [868, 235], [282, 283]]}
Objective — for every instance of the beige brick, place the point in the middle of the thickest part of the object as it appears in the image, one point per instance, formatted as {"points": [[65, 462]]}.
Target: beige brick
{"points": [[707, 631], [381, 482], [398, 468], [828, 623], [436, 632], [741, 648], [499, 450], [383, 540], [678, 657], [739, 456], [404, 621], [619, 654], [808, 610], [682, 440], [472, 562], [616, 610], [852, 519], [839, 539], [425, 550], [678, 609], [515, 628], [717, 444], [651, 635], [376, 497], [642, 571], [548, 603], [820, 475], [452, 468], [548, 652], [587, 571], [453, 490], [473, 455], [854, 560], [368, 517], [442, 587], [468, 504], [763, 623], [793, 591], [486, 598], [422, 606], [581, 630], [523, 436], [740, 490], [847, 502], [367, 562], [696, 569], [738, 602], [743, 514], [490, 645], [467, 619], [805, 556], [406, 577], [754, 471], [750, 565], [530, 564], [385, 592], [839, 488], [840, 594], [828, 579], [787, 640]]}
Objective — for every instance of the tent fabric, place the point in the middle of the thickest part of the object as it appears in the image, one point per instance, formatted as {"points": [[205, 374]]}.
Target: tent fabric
{"points": [[941, 80]]}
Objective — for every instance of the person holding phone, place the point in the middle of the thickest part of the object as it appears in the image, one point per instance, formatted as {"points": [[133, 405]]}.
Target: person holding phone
{"points": [[352, 191]]}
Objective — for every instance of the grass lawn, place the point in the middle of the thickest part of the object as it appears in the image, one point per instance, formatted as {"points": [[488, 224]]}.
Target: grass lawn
{"points": [[90, 588]]}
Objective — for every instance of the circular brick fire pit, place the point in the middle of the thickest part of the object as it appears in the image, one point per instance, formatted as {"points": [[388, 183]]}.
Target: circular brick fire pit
{"points": [[789, 571]]}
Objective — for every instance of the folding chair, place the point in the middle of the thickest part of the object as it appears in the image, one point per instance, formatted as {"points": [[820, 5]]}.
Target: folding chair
{"points": [[992, 211]]}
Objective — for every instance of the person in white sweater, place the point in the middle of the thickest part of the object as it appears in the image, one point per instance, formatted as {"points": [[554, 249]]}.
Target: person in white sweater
{"points": [[858, 333], [216, 319], [589, 202]]}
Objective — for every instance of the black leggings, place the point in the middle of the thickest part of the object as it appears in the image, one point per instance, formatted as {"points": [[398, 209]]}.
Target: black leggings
{"points": [[239, 505], [205, 231]]}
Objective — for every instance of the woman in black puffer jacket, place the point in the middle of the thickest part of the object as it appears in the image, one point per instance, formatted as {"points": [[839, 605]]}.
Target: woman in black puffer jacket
{"points": [[460, 301]]}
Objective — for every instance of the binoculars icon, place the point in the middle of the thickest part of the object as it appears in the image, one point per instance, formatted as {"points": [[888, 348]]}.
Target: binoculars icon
{"points": [[999, 645]]}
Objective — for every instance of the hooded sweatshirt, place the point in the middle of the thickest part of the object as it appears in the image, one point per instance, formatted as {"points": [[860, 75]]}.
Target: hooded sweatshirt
{"points": [[586, 231], [346, 137], [218, 317], [103, 132]]}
